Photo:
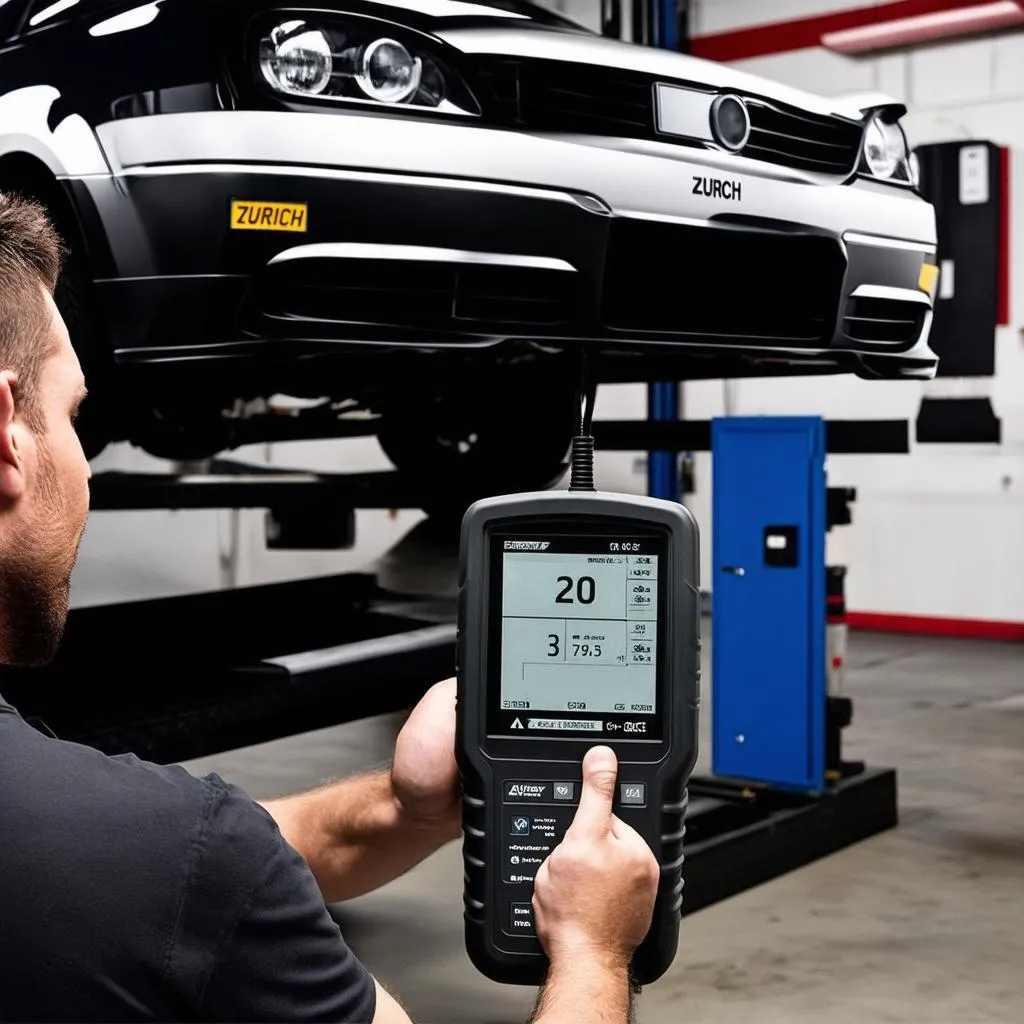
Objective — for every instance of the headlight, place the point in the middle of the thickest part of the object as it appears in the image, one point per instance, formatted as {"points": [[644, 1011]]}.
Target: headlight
{"points": [[297, 60], [914, 165], [886, 154], [359, 60], [388, 72]]}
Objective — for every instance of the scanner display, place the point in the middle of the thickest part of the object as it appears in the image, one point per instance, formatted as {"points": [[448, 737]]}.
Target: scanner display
{"points": [[577, 624]]}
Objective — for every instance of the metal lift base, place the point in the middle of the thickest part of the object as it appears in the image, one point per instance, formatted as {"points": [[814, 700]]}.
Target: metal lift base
{"points": [[183, 677], [739, 837]]}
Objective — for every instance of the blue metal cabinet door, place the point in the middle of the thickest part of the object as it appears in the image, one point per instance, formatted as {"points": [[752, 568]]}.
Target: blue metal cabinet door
{"points": [[768, 601]]}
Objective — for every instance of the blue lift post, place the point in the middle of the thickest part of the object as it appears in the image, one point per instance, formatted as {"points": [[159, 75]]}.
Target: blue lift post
{"points": [[768, 601], [663, 396]]}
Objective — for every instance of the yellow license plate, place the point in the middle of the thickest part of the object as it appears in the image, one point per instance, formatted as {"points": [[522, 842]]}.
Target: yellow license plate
{"points": [[254, 216]]}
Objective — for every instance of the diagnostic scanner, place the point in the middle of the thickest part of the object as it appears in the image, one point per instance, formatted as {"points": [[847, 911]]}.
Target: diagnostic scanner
{"points": [[578, 626]]}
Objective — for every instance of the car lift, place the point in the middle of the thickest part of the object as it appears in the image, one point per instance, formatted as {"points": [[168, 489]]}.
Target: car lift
{"points": [[184, 677], [176, 678]]}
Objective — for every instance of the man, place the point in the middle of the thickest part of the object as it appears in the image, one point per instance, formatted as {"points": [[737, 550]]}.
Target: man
{"points": [[132, 891]]}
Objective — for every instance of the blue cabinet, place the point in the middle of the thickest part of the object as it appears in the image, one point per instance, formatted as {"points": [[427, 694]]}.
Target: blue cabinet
{"points": [[768, 600]]}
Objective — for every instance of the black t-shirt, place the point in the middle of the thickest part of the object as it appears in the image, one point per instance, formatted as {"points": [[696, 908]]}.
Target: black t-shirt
{"points": [[132, 891]]}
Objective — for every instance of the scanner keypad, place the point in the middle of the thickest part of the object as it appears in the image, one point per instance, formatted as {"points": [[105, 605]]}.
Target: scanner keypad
{"points": [[535, 815]]}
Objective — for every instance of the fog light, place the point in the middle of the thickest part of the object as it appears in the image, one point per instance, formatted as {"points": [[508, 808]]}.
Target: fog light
{"points": [[730, 122]]}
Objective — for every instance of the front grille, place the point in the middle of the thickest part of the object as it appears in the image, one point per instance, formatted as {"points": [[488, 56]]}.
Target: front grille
{"points": [[889, 322], [580, 98], [557, 96], [718, 284], [417, 294], [801, 140]]}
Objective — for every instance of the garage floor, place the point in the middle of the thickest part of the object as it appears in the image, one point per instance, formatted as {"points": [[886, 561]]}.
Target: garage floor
{"points": [[922, 924]]}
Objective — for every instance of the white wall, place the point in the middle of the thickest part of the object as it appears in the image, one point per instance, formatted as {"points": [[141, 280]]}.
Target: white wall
{"points": [[584, 12]]}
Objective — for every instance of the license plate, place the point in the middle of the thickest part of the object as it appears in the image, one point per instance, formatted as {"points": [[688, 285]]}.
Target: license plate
{"points": [[247, 215]]}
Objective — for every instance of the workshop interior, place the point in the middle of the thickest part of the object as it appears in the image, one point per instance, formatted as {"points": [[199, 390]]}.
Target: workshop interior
{"points": [[352, 280]]}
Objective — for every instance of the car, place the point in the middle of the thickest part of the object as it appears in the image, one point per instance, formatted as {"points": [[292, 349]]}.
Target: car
{"points": [[415, 214]]}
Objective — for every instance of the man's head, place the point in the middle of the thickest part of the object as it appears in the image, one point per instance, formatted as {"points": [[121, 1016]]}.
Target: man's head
{"points": [[44, 475]]}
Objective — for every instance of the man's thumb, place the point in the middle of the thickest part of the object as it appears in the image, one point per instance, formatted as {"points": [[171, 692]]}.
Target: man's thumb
{"points": [[600, 769]]}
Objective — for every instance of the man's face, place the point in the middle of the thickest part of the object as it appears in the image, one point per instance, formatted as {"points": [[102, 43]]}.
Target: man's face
{"points": [[44, 527]]}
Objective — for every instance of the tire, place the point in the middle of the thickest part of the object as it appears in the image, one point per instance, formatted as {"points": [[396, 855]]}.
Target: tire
{"points": [[110, 414], [115, 409], [508, 431], [181, 435]]}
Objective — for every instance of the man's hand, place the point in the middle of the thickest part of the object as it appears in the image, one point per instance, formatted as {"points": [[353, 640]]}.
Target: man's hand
{"points": [[593, 901], [360, 833], [424, 775]]}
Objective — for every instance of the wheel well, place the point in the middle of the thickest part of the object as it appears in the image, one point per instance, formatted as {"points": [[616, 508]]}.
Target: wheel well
{"points": [[30, 178]]}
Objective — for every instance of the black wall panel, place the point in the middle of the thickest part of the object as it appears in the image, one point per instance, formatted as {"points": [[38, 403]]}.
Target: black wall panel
{"points": [[963, 181]]}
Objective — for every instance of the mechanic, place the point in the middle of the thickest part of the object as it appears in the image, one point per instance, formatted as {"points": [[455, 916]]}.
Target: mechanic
{"points": [[134, 891]]}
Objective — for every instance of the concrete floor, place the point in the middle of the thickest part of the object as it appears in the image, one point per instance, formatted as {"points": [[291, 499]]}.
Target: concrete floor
{"points": [[922, 924]]}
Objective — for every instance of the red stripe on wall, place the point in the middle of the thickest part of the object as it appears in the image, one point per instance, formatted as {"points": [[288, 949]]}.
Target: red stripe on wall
{"points": [[976, 629], [1003, 282], [803, 33]]}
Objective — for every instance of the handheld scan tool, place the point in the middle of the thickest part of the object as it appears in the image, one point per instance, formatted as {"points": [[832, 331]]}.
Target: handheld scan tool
{"points": [[578, 626]]}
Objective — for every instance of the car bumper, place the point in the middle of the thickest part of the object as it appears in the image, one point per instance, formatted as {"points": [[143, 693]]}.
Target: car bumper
{"points": [[485, 236]]}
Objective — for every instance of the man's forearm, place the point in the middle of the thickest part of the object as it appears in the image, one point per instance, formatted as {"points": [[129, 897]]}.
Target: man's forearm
{"points": [[585, 988], [355, 835]]}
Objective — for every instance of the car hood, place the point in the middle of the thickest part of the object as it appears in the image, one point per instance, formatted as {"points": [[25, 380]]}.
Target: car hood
{"points": [[546, 43]]}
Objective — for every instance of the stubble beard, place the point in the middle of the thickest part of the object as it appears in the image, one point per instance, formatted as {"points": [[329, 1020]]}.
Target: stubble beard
{"points": [[35, 580], [35, 614]]}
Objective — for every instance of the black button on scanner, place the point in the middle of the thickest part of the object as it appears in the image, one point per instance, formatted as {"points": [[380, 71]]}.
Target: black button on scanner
{"points": [[521, 919], [520, 825], [632, 794]]}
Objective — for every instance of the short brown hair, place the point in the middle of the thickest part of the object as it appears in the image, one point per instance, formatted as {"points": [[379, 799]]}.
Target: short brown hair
{"points": [[31, 253]]}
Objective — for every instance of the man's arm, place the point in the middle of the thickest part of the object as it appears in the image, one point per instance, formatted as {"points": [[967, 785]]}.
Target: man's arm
{"points": [[588, 988], [361, 832], [593, 897], [356, 834], [389, 1010]]}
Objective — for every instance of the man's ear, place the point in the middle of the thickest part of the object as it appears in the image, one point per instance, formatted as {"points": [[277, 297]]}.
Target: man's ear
{"points": [[12, 471]]}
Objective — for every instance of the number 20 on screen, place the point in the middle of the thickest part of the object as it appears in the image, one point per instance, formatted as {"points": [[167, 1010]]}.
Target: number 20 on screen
{"points": [[583, 590]]}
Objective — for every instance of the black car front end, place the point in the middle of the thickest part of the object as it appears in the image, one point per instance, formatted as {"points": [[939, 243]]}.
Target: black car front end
{"points": [[296, 201]]}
